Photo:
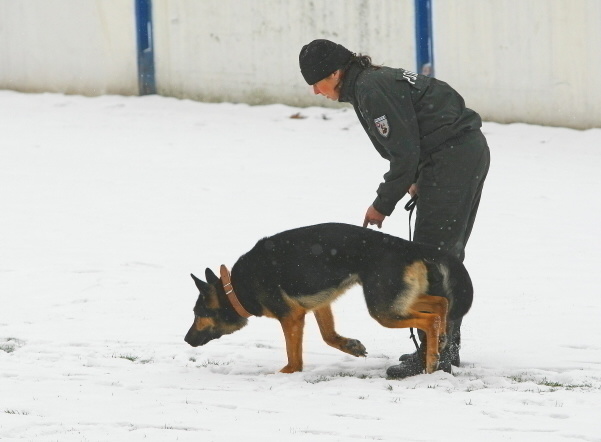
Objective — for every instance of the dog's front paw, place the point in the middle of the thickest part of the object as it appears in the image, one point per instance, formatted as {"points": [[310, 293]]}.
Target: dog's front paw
{"points": [[355, 348], [291, 369]]}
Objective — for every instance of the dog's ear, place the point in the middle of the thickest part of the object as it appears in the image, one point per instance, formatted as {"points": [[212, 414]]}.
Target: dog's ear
{"points": [[211, 277], [203, 287]]}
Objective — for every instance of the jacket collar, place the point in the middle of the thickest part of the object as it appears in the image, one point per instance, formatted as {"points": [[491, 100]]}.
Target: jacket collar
{"points": [[347, 90]]}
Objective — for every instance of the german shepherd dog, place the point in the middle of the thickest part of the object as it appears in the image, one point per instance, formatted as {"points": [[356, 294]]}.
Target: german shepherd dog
{"points": [[287, 275]]}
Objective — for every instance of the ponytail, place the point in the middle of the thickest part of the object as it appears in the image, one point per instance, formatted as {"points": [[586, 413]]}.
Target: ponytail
{"points": [[363, 61]]}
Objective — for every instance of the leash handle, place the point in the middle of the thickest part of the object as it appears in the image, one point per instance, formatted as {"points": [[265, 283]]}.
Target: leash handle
{"points": [[410, 207], [411, 203]]}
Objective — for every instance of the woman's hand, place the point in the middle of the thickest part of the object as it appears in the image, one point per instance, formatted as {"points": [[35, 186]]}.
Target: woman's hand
{"points": [[372, 216], [412, 190]]}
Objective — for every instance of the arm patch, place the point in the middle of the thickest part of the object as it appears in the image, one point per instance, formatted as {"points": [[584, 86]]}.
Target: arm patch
{"points": [[382, 126]]}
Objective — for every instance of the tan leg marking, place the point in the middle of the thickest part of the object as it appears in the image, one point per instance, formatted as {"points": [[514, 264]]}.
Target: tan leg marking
{"points": [[439, 306], [429, 314], [293, 326], [427, 322], [325, 321]]}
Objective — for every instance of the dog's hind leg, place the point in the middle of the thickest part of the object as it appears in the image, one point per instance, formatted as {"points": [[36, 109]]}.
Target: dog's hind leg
{"points": [[293, 325], [429, 323], [439, 306], [325, 321]]}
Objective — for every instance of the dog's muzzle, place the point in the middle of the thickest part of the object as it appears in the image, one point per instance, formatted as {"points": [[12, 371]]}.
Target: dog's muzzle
{"points": [[197, 338]]}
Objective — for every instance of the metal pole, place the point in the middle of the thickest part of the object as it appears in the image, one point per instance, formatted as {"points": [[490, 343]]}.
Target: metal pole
{"points": [[423, 37], [146, 75]]}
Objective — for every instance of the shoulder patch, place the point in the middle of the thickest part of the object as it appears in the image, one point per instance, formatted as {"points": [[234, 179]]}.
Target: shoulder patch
{"points": [[416, 81], [409, 76], [382, 126]]}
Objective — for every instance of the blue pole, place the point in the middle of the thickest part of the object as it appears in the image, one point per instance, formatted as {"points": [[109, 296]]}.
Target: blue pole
{"points": [[423, 37], [146, 76]]}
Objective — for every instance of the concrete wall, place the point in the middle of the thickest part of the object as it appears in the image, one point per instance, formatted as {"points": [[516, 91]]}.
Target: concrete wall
{"points": [[73, 46], [247, 51], [535, 61]]}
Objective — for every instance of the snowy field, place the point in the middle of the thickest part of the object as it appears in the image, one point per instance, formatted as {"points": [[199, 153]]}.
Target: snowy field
{"points": [[109, 203]]}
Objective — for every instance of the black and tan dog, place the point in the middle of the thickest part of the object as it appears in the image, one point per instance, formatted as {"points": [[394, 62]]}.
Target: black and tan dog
{"points": [[287, 275]]}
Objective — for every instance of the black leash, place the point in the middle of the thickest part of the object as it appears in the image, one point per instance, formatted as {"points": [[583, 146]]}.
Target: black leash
{"points": [[415, 341], [410, 207]]}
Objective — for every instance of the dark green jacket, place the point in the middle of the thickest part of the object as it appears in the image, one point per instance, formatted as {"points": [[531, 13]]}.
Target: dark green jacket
{"points": [[406, 116]]}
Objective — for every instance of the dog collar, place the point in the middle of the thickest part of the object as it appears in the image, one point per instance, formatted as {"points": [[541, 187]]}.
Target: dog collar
{"points": [[231, 294]]}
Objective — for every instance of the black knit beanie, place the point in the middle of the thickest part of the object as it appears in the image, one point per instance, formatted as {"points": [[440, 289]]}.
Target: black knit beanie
{"points": [[320, 58]]}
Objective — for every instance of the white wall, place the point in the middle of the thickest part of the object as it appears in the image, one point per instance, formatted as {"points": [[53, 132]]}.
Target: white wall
{"points": [[247, 51], [536, 61], [73, 46]]}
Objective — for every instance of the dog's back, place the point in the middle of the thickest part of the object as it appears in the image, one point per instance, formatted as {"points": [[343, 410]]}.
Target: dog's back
{"points": [[312, 265]]}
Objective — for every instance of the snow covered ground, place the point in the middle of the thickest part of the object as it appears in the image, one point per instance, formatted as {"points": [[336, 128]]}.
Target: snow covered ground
{"points": [[109, 203]]}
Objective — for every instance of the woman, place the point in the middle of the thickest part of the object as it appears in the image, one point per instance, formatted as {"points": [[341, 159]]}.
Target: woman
{"points": [[433, 144]]}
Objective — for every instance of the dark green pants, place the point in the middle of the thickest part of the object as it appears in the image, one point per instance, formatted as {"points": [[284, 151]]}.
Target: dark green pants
{"points": [[449, 185]]}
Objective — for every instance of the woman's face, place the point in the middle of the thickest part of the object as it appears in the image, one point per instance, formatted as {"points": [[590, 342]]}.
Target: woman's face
{"points": [[328, 87]]}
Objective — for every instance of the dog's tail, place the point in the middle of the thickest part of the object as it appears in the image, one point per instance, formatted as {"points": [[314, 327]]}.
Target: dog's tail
{"points": [[449, 278], [458, 288]]}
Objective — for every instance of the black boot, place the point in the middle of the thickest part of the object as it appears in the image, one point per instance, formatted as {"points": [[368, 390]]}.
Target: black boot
{"points": [[408, 356], [415, 355], [410, 367], [446, 359], [413, 363], [452, 349], [451, 353]]}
